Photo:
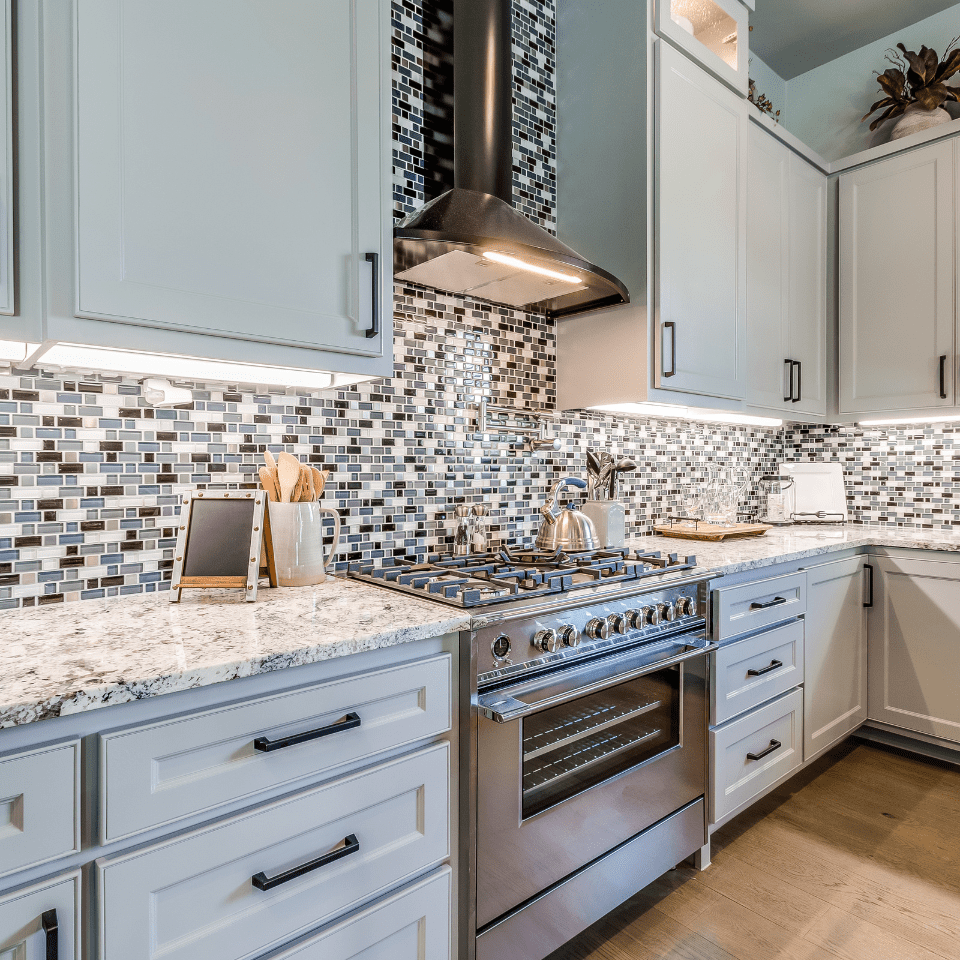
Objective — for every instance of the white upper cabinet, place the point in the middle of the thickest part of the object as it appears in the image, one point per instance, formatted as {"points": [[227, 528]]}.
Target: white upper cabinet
{"points": [[786, 279], [897, 268], [701, 231], [230, 178], [714, 32]]}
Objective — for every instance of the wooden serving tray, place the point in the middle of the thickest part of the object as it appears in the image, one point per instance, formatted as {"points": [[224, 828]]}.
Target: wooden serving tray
{"points": [[698, 530]]}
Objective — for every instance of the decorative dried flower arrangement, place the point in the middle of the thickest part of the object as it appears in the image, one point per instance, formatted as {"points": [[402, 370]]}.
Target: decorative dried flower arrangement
{"points": [[760, 101], [916, 78]]}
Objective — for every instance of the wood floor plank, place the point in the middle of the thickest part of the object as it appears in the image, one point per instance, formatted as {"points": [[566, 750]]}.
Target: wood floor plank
{"points": [[853, 938]]}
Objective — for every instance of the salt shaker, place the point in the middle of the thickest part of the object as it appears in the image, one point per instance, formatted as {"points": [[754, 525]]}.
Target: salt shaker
{"points": [[463, 537], [481, 512]]}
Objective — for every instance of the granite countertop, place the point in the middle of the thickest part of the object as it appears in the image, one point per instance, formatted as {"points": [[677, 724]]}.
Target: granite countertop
{"points": [[66, 659], [56, 661], [798, 542]]}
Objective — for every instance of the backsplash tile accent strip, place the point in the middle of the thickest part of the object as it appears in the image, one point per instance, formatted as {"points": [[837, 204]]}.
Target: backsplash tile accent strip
{"points": [[91, 477]]}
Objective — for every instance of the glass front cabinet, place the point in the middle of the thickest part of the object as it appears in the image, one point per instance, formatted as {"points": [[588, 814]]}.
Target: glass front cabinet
{"points": [[712, 32]]}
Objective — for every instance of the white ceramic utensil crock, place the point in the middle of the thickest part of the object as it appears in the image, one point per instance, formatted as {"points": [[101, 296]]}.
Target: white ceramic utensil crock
{"points": [[297, 535]]}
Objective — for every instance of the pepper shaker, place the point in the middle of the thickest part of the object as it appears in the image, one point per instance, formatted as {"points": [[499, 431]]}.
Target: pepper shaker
{"points": [[481, 543], [463, 538]]}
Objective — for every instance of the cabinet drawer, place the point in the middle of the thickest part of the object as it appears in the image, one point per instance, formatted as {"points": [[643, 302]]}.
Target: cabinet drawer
{"points": [[39, 806], [753, 606], [42, 921], [776, 661], [202, 895], [413, 924], [157, 774], [734, 777]]}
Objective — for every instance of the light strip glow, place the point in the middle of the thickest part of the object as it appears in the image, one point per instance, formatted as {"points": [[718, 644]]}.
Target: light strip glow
{"points": [[509, 261], [670, 412], [906, 421], [16, 350], [188, 368]]}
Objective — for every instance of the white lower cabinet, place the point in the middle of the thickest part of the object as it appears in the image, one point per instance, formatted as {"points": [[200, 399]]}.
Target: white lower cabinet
{"points": [[413, 924], [915, 646], [835, 685], [42, 922], [750, 753], [245, 885]]}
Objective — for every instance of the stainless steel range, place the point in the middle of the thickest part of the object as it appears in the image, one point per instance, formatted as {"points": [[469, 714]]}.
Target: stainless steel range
{"points": [[583, 754]]}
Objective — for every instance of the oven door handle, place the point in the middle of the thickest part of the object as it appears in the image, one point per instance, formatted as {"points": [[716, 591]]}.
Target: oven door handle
{"points": [[502, 706]]}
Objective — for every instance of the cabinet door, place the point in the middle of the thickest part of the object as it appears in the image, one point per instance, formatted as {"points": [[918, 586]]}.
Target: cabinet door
{"points": [[807, 285], [897, 222], [835, 654], [701, 222], [768, 270], [232, 168], [7, 194], [42, 921], [915, 646]]}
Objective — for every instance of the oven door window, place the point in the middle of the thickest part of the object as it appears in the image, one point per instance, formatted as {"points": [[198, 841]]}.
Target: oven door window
{"points": [[575, 746]]}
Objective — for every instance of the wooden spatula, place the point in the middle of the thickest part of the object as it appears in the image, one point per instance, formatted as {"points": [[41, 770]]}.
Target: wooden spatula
{"points": [[307, 494], [319, 480], [288, 470], [269, 483]]}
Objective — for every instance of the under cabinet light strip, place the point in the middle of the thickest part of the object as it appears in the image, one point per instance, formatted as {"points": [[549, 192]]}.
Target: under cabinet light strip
{"points": [[907, 421], [16, 351], [699, 414]]}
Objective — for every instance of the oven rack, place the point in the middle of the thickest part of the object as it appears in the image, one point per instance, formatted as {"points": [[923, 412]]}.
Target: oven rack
{"points": [[572, 726], [592, 750]]}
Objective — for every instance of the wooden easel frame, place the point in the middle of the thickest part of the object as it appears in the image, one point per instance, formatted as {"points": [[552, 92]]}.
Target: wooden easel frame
{"points": [[259, 535]]}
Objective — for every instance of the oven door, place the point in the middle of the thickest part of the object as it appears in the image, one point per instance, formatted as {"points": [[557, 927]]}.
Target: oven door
{"points": [[575, 763]]}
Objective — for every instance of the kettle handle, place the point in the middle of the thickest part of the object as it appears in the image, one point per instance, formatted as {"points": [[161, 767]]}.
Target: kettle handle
{"points": [[336, 534]]}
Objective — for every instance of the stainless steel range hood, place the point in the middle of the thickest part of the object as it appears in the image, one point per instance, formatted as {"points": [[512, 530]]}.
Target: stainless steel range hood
{"points": [[470, 240]]}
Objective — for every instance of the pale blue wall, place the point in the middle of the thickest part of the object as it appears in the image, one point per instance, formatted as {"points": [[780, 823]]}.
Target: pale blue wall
{"points": [[827, 103], [771, 84]]}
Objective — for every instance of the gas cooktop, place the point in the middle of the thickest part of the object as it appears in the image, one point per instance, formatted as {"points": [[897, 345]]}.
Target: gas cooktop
{"points": [[518, 574]]}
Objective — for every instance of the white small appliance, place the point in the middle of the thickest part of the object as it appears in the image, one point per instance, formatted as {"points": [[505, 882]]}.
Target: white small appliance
{"points": [[819, 493]]}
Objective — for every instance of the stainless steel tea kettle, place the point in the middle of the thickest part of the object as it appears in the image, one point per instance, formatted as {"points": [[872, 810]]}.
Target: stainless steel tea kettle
{"points": [[566, 529]]}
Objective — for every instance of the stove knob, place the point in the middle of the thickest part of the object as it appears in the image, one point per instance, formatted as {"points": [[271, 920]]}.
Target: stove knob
{"points": [[636, 618], [570, 636], [618, 624], [667, 612], [687, 607], [598, 629], [547, 641], [651, 615], [501, 647]]}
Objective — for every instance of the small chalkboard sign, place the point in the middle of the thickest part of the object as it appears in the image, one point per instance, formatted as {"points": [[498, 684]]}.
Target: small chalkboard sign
{"points": [[218, 541]]}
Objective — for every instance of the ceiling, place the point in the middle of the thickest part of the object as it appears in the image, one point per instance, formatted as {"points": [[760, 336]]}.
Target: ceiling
{"points": [[794, 36]]}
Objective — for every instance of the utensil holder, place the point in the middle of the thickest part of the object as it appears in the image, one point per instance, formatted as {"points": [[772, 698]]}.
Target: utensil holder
{"points": [[610, 519], [296, 535]]}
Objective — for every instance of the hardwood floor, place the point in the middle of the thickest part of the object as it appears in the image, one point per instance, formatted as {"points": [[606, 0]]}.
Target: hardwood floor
{"points": [[856, 858]]}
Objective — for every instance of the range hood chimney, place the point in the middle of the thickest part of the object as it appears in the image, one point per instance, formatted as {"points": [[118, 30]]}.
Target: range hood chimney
{"points": [[470, 240]]}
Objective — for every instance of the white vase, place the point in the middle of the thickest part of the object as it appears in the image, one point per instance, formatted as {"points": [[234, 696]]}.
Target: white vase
{"points": [[297, 539], [916, 118]]}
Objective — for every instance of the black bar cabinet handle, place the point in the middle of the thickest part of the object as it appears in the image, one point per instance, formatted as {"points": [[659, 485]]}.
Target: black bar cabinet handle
{"points": [[350, 846], [943, 377], [799, 365], [51, 934], [374, 330], [349, 722], [774, 665], [777, 602], [869, 567], [789, 365], [672, 327], [774, 746]]}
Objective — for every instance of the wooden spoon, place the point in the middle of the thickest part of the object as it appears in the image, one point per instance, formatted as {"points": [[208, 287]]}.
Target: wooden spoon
{"points": [[319, 480], [308, 495], [288, 470], [269, 484]]}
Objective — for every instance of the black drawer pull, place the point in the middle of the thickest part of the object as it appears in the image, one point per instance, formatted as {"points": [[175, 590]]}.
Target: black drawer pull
{"points": [[779, 601], [672, 327], [374, 328], [350, 845], [774, 746], [943, 377], [264, 745], [51, 934], [774, 665]]}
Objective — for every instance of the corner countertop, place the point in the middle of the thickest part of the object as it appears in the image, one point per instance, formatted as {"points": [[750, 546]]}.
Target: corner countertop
{"points": [[69, 658], [796, 542]]}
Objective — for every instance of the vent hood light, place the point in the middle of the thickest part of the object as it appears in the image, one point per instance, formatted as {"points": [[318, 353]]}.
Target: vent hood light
{"points": [[699, 414], [97, 359], [16, 351], [906, 421], [509, 261]]}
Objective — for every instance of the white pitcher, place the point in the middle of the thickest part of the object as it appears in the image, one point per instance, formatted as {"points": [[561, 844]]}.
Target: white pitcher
{"points": [[296, 531]]}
